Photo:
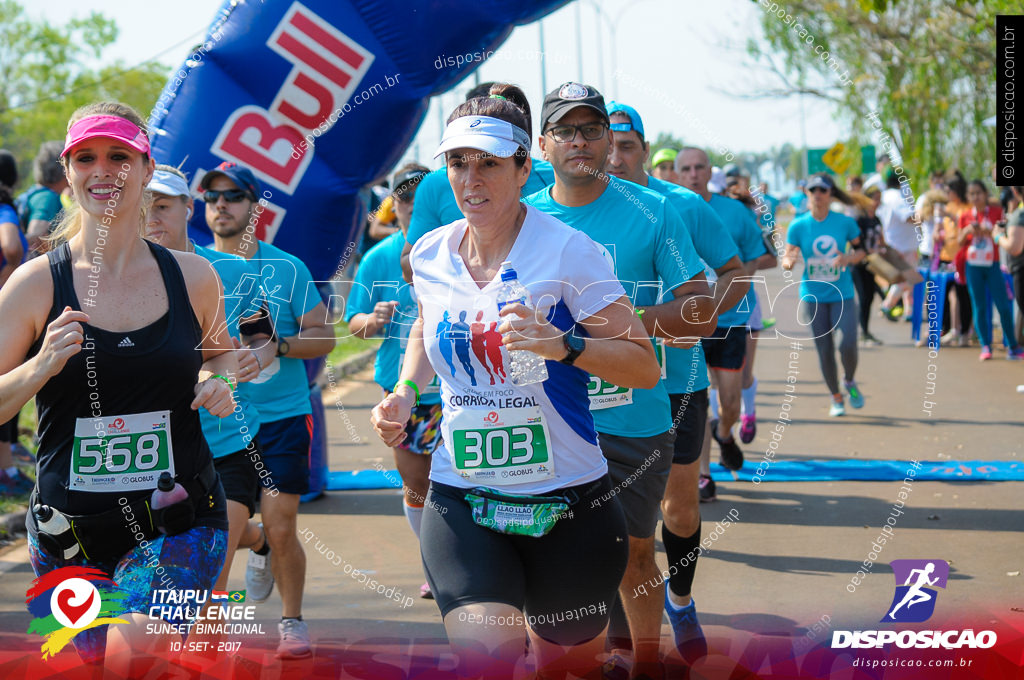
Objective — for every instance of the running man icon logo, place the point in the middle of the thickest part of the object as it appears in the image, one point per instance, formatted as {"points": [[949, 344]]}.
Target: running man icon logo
{"points": [[914, 601]]}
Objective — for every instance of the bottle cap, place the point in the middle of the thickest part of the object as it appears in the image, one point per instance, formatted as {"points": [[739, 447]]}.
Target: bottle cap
{"points": [[166, 482], [506, 271]]}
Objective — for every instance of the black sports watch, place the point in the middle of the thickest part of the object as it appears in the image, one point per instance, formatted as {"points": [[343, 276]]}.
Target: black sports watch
{"points": [[283, 348], [575, 346]]}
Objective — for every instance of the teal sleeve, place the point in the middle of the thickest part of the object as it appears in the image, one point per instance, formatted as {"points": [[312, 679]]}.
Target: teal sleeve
{"points": [[752, 245], [793, 233], [676, 259], [712, 240], [310, 296], [425, 213], [360, 297], [43, 205]]}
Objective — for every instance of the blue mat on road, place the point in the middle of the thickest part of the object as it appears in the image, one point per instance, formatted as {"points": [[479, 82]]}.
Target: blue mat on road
{"points": [[781, 471]]}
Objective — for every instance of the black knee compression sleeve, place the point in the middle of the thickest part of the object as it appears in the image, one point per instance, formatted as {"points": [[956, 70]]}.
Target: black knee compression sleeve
{"points": [[681, 553]]}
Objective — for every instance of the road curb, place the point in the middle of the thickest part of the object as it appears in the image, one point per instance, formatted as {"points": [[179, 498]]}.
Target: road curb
{"points": [[348, 367]]}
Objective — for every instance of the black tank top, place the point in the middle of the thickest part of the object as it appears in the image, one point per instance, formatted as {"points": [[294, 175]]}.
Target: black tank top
{"points": [[146, 371]]}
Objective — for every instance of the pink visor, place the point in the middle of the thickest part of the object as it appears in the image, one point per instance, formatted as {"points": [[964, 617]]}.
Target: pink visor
{"points": [[111, 127]]}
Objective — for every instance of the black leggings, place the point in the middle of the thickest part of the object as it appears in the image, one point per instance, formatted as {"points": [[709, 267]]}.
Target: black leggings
{"points": [[867, 288], [564, 582]]}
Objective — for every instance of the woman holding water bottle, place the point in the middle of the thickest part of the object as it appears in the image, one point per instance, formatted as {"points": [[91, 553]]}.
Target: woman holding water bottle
{"points": [[513, 502], [979, 256]]}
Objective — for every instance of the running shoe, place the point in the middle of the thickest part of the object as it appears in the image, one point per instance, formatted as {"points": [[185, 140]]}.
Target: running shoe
{"points": [[950, 339], [686, 630], [732, 455], [294, 639], [706, 486], [767, 323], [1015, 354], [871, 340], [259, 579], [425, 592], [615, 667], [748, 428], [856, 398], [893, 314], [837, 408], [986, 353]]}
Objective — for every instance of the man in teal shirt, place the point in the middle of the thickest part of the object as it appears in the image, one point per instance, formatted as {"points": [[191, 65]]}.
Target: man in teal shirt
{"points": [[686, 376], [650, 248], [281, 392]]}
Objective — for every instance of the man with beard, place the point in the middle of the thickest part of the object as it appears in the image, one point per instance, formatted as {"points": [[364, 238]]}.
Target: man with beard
{"points": [[280, 393]]}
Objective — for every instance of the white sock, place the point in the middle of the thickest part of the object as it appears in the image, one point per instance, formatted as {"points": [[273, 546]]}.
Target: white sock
{"points": [[415, 517], [12, 471], [749, 395], [677, 607], [713, 402]]}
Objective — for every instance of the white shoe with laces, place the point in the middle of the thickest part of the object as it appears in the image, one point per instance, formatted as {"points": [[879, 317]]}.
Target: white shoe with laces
{"points": [[294, 639], [259, 579]]}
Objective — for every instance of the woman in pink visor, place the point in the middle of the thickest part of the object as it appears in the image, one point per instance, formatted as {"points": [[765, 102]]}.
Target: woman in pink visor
{"points": [[121, 342]]}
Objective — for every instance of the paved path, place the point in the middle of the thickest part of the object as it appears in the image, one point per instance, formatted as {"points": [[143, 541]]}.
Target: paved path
{"points": [[783, 566]]}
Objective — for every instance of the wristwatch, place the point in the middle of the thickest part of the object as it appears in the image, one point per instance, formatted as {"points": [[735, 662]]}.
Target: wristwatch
{"points": [[283, 348], [574, 346]]}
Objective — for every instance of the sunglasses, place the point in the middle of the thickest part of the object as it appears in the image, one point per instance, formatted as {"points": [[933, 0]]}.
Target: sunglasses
{"points": [[815, 190], [563, 134], [230, 195]]}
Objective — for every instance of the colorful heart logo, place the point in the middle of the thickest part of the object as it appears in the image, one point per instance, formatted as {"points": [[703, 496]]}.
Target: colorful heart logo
{"points": [[75, 603], [73, 612]]}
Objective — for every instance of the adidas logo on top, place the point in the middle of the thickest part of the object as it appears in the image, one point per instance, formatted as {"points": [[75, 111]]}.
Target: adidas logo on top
{"points": [[127, 342]]}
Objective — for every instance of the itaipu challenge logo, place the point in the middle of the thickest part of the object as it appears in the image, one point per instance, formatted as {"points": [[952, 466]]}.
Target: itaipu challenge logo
{"points": [[914, 601], [70, 600]]}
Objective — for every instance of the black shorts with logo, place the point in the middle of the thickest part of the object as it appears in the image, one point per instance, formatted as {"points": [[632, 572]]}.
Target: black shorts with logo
{"points": [[239, 475]]}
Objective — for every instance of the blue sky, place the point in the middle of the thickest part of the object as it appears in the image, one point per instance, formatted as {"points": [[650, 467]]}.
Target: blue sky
{"points": [[673, 54]]}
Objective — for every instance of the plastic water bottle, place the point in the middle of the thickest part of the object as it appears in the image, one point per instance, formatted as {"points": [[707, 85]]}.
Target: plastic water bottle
{"points": [[168, 492], [527, 367]]}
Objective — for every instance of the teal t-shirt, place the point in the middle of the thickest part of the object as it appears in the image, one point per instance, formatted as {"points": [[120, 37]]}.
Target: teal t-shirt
{"points": [[819, 243], [435, 203], [739, 221], [379, 279], [686, 370], [650, 250], [241, 299], [288, 288], [43, 204]]}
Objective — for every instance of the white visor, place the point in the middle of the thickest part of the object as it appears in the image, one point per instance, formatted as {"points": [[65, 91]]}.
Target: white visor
{"points": [[168, 183], [493, 135]]}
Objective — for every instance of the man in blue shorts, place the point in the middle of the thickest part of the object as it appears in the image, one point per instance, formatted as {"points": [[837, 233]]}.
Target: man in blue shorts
{"points": [[280, 393]]}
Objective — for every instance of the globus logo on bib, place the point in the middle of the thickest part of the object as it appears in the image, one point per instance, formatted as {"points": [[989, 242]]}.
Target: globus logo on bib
{"points": [[116, 425], [914, 602], [492, 417]]}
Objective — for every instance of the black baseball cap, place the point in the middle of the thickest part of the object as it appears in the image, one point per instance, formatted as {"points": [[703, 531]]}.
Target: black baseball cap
{"points": [[240, 175], [566, 98], [408, 177]]}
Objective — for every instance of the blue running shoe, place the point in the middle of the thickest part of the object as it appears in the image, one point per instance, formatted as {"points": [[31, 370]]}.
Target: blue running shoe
{"points": [[686, 630], [856, 398]]}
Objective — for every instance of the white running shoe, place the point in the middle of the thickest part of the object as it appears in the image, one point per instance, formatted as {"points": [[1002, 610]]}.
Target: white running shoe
{"points": [[294, 640], [837, 409], [259, 579]]}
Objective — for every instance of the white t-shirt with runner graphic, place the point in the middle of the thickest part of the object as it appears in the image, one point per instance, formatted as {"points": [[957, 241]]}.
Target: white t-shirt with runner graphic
{"points": [[530, 439]]}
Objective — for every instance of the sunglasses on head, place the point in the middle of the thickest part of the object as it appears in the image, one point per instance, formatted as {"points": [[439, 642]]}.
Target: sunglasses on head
{"points": [[815, 190], [230, 195]]}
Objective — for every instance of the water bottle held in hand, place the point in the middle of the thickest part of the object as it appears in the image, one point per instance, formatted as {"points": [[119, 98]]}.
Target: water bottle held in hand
{"points": [[526, 367]]}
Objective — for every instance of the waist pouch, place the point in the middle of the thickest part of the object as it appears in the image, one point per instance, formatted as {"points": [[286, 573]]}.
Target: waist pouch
{"points": [[109, 535], [522, 515]]}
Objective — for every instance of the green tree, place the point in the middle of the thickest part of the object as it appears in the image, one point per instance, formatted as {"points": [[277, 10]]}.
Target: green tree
{"points": [[925, 67], [44, 78]]}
